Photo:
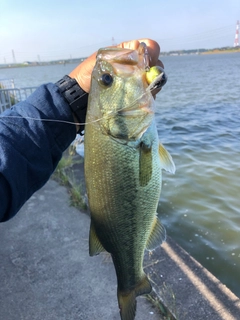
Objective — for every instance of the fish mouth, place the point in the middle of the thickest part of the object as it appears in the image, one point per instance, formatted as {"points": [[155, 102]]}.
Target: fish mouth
{"points": [[126, 57], [122, 56]]}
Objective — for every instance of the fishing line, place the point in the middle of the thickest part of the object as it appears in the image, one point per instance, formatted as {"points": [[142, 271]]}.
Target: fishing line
{"points": [[111, 114]]}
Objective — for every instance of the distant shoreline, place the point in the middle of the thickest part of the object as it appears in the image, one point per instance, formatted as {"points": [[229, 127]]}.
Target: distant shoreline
{"points": [[222, 51], [79, 60], [201, 51], [41, 64]]}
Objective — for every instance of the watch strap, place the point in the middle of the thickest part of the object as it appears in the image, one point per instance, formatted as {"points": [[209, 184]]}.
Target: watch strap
{"points": [[76, 97]]}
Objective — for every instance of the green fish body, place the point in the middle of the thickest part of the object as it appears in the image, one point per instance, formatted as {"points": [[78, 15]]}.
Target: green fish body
{"points": [[123, 162]]}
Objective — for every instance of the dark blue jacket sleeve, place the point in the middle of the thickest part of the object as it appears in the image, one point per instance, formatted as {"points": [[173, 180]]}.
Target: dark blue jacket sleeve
{"points": [[30, 149]]}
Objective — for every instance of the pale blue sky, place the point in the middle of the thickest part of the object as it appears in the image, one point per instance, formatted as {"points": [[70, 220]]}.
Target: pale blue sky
{"points": [[54, 29]]}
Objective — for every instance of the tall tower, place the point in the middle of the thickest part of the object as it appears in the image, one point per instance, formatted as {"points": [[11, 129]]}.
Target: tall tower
{"points": [[113, 42], [13, 55], [236, 41]]}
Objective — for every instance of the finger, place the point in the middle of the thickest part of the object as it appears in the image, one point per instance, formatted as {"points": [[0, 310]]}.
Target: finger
{"points": [[132, 44], [155, 92], [153, 50], [82, 73], [160, 64]]}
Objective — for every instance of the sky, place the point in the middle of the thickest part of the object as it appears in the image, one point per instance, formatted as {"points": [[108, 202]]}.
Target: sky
{"points": [[43, 30]]}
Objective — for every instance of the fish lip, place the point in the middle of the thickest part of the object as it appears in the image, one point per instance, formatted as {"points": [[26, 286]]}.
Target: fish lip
{"points": [[118, 55]]}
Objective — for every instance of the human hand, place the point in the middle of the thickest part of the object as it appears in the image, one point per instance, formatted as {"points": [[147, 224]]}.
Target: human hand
{"points": [[82, 73]]}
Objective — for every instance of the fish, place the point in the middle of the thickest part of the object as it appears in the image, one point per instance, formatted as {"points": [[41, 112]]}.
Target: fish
{"points": [[122, 165]]}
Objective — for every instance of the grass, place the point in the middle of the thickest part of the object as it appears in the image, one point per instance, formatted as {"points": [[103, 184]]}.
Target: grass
{"points": [[168, 298], [59, 173], [162, 297], [8, 98], [77, 198]]}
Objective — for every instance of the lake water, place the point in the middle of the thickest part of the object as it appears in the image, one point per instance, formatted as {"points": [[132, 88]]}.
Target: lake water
{"points": [[198, 116]]}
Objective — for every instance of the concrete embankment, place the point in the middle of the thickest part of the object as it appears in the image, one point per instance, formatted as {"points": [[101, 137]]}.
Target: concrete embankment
{"points": [[46, 272], [187, 289]]}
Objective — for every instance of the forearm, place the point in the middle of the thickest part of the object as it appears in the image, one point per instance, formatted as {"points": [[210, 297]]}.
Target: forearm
{"points": [[30, 149]]}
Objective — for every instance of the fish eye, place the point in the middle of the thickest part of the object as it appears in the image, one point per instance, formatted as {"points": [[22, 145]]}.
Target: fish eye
{"points": [[106, 79]]}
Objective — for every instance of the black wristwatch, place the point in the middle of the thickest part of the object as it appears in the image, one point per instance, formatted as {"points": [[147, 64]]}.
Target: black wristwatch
{"points": [[76, 97]]}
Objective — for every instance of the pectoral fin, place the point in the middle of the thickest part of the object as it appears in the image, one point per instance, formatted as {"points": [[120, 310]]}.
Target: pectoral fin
{"points": [[166, 159], [95, 246], [157, 235], [145, 164]]}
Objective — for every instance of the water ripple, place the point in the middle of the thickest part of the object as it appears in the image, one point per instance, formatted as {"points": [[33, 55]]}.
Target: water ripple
{"points": [[199, 123]]}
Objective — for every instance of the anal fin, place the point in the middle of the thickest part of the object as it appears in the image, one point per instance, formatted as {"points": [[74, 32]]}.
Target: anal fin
{"points": [[95, 246]]}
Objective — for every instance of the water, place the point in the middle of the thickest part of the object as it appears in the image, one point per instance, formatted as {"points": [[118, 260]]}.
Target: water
{"points": [[199, 123], [36, 75]]}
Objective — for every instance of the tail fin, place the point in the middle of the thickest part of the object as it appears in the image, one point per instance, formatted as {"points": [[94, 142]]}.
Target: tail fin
{"points": [[127, 300]]}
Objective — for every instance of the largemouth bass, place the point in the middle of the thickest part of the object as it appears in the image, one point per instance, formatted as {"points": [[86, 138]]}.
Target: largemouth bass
{"points": [[123, 162]]}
